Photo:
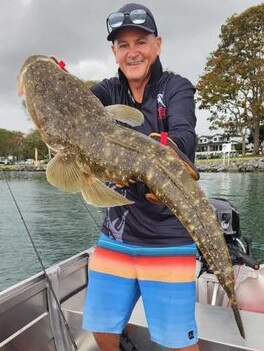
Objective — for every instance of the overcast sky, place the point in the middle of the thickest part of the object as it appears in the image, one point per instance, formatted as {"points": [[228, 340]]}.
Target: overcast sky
{"points": [[75, 31]]}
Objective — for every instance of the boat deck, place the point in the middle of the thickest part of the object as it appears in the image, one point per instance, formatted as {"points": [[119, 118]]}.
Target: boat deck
{"points": [[29, 317], [217, 329]]}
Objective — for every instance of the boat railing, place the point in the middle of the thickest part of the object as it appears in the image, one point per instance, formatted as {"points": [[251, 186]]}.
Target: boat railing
{"points": [[28, 310], [30, 318]]}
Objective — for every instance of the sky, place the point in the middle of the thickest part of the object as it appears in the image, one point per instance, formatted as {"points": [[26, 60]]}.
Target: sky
{"points": [[75, 32]]}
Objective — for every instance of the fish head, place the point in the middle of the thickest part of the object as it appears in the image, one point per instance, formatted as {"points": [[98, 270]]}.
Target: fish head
{"points": [[34, 81], [31, 61], [51, 96], [62, 107]]}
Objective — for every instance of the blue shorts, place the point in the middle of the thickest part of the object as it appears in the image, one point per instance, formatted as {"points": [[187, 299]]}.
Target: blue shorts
{"points": [[165, 277]]}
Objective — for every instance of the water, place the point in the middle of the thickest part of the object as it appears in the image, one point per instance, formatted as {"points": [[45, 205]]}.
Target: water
{"points": [[246, 192], [58, 222], [61, 226]]}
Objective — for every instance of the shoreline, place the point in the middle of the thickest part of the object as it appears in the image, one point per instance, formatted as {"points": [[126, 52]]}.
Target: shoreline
{"points": [[24, 168], [231, 165]]}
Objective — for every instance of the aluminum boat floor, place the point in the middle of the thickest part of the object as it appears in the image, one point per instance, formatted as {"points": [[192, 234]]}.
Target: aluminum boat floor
{"points": [[216, 325]]}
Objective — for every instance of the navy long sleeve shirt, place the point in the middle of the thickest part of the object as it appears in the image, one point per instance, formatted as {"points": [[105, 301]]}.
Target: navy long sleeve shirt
{"points": [[168, 105]]}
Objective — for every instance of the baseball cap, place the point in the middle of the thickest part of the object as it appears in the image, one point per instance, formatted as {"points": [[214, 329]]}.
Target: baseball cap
{"points": [[131, 15]]}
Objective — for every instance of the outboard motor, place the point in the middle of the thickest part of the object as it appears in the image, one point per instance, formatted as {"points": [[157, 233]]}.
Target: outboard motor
{"points": [[239, 246]]}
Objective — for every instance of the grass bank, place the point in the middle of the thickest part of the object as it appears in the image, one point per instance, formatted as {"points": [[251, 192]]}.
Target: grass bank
{"points": [[217, 160]]}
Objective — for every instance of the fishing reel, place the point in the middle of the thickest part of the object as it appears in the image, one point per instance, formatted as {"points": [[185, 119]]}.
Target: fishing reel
{"points": [[239, 246]]}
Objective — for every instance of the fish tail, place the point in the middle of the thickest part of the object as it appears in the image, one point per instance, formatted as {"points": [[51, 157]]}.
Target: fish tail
{"points": [[238, 318], [173, 185], [230, 291]]}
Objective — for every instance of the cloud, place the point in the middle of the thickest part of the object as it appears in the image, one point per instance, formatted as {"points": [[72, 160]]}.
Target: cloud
{"points": [[75, 31], [93, 69]]}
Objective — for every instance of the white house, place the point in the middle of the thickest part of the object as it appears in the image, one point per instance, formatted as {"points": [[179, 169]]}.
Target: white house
{"points": [[217, 144]]}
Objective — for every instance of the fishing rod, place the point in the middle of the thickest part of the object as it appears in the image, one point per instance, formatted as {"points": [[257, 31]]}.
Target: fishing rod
{"points": [[42, 265], [89, 212], [126, 343]]}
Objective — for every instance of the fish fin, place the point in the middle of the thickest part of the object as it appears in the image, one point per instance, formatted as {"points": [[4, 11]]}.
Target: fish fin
{"points": [[63, 172], [98, 194], [126, 114], [52, 148]]}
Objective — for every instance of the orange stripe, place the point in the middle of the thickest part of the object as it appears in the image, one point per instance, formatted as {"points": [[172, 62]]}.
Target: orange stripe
{"points": [[110, 262], [163, 269], [167, 269]]}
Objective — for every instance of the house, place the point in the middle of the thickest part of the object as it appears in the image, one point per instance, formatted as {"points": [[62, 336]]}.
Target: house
{"points": [[216, 145]]}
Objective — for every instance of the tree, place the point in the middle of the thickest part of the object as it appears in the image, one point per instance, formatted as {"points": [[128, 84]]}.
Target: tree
{"points": [[32, 141], [232, 86], [11, 143], [261, 135], [90, 83]]}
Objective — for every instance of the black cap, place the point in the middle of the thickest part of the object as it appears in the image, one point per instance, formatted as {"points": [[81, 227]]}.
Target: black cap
{"points": [[149, 25]]}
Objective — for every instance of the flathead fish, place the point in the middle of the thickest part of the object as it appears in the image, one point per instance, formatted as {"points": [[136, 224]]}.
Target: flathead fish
{"points": [[91, 149]]}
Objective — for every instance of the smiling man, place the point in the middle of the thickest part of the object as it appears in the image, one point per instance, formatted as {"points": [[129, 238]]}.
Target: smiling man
{"points": [[136, 51], [144, 250]]}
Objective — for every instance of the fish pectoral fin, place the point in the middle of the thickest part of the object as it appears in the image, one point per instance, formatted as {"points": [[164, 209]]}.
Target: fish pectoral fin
{"points": [[126, 114], [98, 194], [63, 172]]}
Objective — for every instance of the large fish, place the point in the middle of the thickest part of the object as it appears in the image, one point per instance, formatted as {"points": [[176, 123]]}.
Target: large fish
{"points": [[91, 149]]}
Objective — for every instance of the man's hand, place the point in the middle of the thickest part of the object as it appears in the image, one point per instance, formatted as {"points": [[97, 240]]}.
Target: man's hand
{"points": [[193, 171], [149, 196], [176, 151], [153, 199], [124, 185]]}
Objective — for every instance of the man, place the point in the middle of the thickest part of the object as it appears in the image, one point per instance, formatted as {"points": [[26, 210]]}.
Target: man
{"points": [[144, 249]]}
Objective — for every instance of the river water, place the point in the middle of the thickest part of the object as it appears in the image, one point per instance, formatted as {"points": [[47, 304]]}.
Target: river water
{"points": [[61, 225]]}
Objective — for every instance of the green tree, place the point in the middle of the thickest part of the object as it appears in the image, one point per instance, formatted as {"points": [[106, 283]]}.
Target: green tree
{"points": [[90, 83], [21, 146], [11, 143], [32, 141], [232, 86]]}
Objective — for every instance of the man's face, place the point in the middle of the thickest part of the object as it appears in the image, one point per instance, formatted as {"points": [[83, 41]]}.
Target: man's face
{"points": [[135, 51]]}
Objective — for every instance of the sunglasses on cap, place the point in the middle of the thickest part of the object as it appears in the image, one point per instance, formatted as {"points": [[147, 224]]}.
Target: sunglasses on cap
{"points": [[116, 19]]}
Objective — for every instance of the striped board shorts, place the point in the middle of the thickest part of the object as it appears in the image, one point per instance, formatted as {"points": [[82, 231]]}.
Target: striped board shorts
{"points": [[120, 273]]}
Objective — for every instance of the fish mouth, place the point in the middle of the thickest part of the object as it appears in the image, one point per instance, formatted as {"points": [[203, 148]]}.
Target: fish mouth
{"points": [[20, 82], [20, 85]]}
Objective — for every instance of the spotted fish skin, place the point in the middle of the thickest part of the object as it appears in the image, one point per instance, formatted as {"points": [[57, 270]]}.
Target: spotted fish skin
{"points": [[92, 148]]}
